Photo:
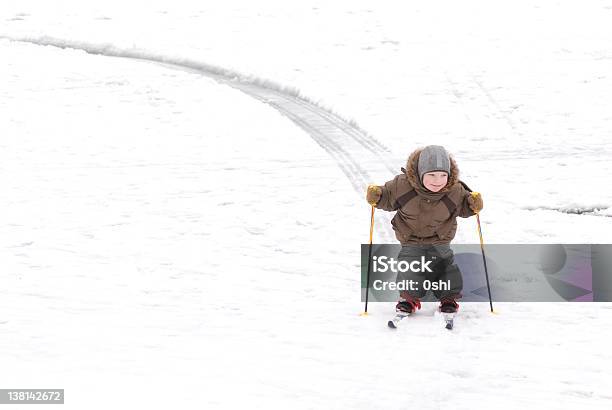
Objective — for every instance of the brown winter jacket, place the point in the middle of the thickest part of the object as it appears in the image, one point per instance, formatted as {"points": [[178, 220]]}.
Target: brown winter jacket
{"points": [[424, 217]]}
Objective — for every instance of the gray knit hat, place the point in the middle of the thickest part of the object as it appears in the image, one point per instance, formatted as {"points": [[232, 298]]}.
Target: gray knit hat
{"points": [[433, 158]]}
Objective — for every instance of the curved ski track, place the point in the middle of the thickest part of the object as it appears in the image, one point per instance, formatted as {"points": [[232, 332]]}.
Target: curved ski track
{"points": [[343, 141]]}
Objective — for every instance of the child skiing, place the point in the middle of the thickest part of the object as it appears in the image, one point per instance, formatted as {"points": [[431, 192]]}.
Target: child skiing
{"points": [[427, 197]]}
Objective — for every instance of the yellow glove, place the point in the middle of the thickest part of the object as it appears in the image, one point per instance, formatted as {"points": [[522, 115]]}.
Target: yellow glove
{"points": [[475, 202], [373, 194]]}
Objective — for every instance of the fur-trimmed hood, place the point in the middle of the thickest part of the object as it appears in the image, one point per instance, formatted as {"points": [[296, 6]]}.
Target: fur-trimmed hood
{"points": [[414, 180]]}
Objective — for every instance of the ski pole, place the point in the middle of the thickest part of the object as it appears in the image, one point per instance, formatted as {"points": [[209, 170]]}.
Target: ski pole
{"points": [[365, 312], [484, 259]]}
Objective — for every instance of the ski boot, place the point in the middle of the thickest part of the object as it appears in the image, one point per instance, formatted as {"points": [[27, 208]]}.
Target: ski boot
{"points": [[407, 305], [448, 305]]}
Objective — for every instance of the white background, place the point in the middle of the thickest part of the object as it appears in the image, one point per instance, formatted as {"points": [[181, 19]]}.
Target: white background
{"points": [[167, 240]]}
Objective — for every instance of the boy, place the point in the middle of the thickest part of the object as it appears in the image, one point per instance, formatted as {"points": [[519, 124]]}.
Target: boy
{"points": [[428, 198]]}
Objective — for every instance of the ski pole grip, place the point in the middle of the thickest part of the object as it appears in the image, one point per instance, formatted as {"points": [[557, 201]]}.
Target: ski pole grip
{"points": [[475, 194]]}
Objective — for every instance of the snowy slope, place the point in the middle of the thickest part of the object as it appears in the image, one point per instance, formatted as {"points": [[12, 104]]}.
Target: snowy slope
{"points": [[533, 99], [179, 243]]}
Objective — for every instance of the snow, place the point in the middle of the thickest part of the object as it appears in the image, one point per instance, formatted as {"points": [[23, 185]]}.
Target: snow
{"points": [[168, 240]]}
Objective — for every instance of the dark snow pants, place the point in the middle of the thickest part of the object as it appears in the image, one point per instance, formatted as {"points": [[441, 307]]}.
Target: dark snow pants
{"points": [[445, 274]]}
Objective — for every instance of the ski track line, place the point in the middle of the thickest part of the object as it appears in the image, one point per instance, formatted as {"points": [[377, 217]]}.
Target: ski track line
{"points": [[497, 106], [344, 141]]}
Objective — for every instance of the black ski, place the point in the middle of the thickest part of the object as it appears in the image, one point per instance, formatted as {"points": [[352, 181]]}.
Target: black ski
{"points": [[399, 316], [449, 320]]}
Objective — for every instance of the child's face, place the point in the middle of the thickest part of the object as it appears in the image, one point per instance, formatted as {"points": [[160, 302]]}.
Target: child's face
{"points": [[435, 181]]}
